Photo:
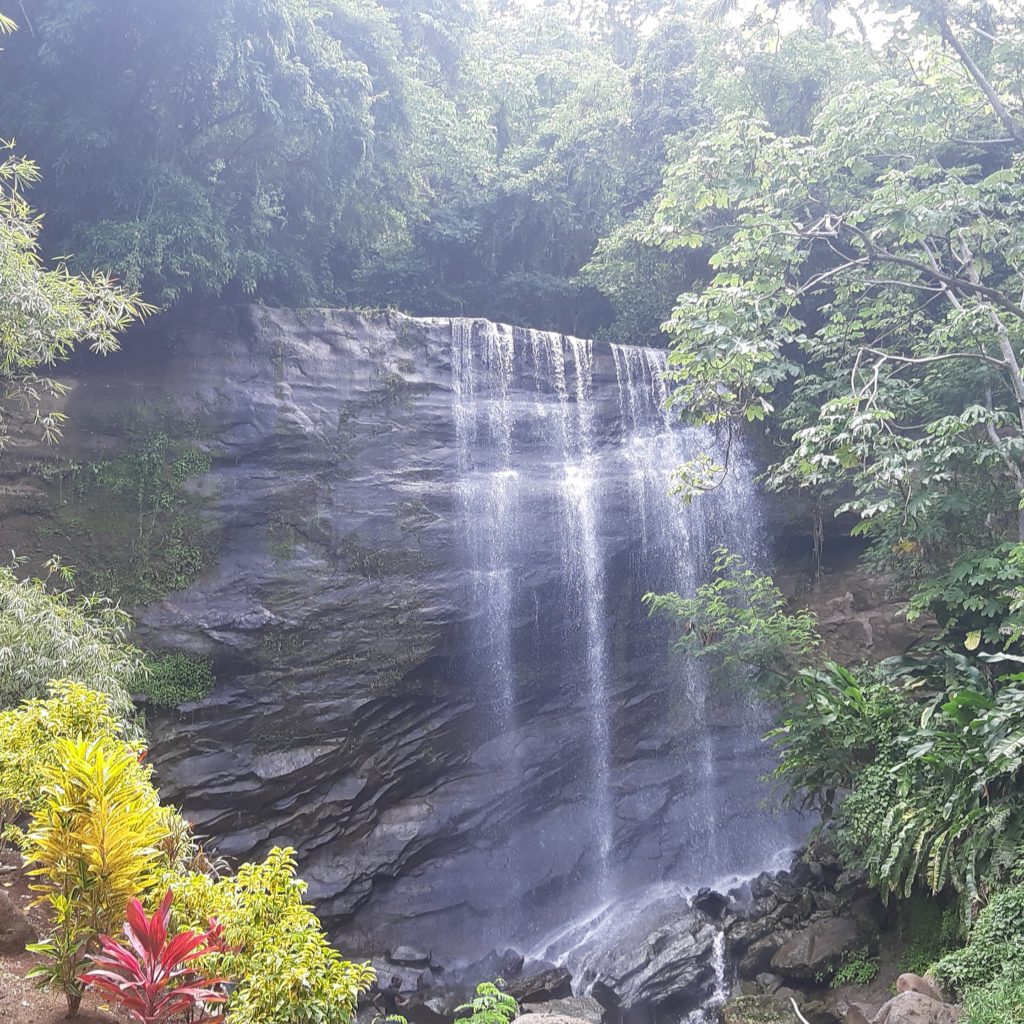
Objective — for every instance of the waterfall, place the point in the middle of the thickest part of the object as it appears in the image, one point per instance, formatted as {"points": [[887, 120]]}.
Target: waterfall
{"points": [[581, 487], [489, 493], [483, 360], [654, 447], [566, 453]]}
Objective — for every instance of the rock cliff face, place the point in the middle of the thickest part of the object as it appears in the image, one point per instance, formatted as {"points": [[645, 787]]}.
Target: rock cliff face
{"points": [[422, 597]]}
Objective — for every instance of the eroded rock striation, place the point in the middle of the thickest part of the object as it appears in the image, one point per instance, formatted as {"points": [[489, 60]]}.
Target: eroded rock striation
{"points": [[424, 547]]}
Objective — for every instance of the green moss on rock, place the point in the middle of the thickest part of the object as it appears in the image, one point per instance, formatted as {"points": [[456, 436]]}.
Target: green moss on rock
{"points": [[175, 679], [761, 1009], [130, 524]]}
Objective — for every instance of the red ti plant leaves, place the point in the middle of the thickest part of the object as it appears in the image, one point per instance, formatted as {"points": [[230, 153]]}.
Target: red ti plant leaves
{"points": [[154, 976]]}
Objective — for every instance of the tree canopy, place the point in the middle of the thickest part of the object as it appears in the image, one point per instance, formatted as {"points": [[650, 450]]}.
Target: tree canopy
{"points": [[435, 155]]}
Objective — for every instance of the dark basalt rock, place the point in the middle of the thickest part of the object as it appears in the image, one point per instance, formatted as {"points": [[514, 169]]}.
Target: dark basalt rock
{"points": [[798, 924], [538, 984], [672, 966], [347, 721], [406, 956], [817, 948], [710, 902]]}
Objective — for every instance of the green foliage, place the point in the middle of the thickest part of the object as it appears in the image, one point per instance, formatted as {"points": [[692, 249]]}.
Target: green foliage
{"points": [[927, 929], [53, 633], [174, 679], [490, 1005], [996, 943], [834, 730], [133, 522], [287, 971], [741, 618], [858, 967], [220, 148], [29, 734], [45, 311], [862, 275], [974, 600], [1000, 1001], [93, 844], [916, 769], [99, 836], [429, 154]]}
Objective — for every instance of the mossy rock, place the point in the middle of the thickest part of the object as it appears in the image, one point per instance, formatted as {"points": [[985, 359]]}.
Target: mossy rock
{"points": [[133, 525], [175, 679], [761, 1009]]}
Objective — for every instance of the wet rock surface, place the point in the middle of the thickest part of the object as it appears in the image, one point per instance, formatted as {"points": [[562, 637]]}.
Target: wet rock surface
{"points": [[817, 948], [673, 965], [348, 721]]}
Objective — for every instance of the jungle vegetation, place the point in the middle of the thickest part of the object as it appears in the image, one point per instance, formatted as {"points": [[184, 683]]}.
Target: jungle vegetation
{"points": [[816, 206]]}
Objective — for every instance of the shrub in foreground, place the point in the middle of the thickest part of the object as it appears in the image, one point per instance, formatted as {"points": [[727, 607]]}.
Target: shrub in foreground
{"points": [[286, 970], [93, 844], [156, 977]]}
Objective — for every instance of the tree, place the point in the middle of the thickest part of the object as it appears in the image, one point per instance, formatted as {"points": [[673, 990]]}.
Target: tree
{"points": [[524, 169], [217, 147], [45, 311], [864, 293], [741, 619], [352, 152], [94, 843], [49, 633], [617, 23]]}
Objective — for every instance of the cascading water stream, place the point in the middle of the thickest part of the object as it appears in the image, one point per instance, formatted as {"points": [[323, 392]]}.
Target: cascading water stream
{"points": [[582, 500], [489, 492], [654, 448], [566, 466]]}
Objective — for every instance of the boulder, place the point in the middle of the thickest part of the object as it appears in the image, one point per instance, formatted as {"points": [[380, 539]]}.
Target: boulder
{"points": [[849, 881], [540, 983], [15, 930], [438, 1009], [868, 911], [808, 874], [672, 965], [825, 854], [816, 948], [861, 1009], [554, 1018], [749, 930], [709, 902], [795, 910], [915, 983], [408, 977], [818, 1012], [498, 963], [577, 1007], [406, 956], [915, 1008], [758, 958]]}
